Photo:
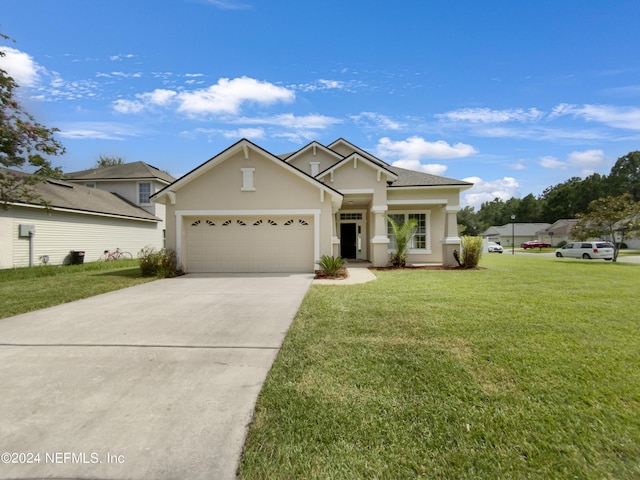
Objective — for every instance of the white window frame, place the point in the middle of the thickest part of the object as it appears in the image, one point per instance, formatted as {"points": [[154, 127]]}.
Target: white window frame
{"points": [[148, 202], [426, 233]]}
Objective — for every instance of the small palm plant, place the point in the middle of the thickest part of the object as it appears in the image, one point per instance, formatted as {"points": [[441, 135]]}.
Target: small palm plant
{"points": [[403, 233], [331, 266]]}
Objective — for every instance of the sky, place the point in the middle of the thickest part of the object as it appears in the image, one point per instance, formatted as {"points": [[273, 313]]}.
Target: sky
{"points": [[514, 96]]}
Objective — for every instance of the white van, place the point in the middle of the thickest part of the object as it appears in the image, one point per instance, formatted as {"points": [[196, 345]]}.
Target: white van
{"points": [[586, 250]]}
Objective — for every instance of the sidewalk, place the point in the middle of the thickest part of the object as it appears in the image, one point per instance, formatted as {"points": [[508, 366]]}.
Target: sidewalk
{"points": [[358, 273]]}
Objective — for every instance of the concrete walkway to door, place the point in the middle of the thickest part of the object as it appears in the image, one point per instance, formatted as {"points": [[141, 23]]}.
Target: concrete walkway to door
{"points": [[154, 381]]}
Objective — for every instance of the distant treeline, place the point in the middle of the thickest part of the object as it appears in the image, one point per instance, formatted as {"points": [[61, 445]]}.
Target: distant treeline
{"points": [[564, 200]]}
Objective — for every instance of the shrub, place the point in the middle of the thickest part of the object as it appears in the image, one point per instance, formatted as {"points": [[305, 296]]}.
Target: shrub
{"points": [[330, 265], [471, 251], [561, 244], [163, 263], [403, 233]]}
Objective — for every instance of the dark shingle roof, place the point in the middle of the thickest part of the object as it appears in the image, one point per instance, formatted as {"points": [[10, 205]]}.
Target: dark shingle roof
{"points": [[71, 196], [410, 178], [126, 171]]}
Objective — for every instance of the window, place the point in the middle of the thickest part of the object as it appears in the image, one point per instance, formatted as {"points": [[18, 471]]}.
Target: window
{"points": [[90, 185], [350, 216], [144, 192], [419, 239]]}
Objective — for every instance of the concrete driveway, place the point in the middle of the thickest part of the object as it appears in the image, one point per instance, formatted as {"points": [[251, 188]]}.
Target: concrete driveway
{"points": [[157, 381]]}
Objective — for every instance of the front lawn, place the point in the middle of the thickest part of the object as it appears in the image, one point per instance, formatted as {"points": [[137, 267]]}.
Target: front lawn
{"points": [[528, 369], [26, 289]]}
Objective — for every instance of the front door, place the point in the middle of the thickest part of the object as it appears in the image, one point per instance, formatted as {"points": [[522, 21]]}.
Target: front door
{"points": [[348, 240]]}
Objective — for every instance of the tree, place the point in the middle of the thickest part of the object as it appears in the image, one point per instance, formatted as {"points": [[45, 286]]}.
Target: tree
{"points": [[108, 161], [614, 218], [403, 233], [625, 176], [468, 223], [24, 147]]}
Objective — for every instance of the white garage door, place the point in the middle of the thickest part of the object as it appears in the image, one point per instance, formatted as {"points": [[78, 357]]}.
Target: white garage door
{"points": [[249, 244]]}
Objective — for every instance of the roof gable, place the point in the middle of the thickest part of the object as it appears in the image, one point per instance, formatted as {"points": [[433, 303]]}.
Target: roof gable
{"points": [[313, 146], [245, 146], [355, 159], [347, 148]]}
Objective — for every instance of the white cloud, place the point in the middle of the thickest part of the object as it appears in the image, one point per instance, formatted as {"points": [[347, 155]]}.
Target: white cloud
{"points": [[227, 4], [416, 166], [487, 191], [159, 97], [486, 115], [417, 148], [613, 116], [587, 161], [553, 163], [20, 66], [227, 96], [518, 165], [377, 120], [305, 122], [116, 58], [128, 106], [96, 131]]}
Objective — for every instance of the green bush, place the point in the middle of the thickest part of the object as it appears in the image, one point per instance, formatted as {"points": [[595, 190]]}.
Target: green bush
{"points": [[561, 244], [471, 251], [330, 265], [163, 263]]}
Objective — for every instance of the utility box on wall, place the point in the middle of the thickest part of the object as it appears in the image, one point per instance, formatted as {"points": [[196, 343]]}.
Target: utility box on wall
{"points": [[26, 230]]}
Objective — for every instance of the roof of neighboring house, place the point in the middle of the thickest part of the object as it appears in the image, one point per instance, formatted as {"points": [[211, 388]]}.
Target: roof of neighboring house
{"points": [[71, 196], [562, 226], [517, 229], [125, 171]]}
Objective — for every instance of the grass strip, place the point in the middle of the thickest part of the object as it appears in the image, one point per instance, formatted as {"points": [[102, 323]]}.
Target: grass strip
{"points": [[26, 289]]}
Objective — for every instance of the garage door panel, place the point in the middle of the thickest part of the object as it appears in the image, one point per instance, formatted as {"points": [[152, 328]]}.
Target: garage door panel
{"points": [[250, 244]]}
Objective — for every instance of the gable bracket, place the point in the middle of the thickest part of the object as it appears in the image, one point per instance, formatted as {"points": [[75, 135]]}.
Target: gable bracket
{"points": [[379, 174], [355, 161], [245, 147]]}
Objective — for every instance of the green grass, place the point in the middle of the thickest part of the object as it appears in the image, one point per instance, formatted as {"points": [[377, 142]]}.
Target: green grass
{"points": [[26, 289], [528, 369]]}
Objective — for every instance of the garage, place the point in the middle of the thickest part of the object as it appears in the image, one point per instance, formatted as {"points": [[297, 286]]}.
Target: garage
{"points": [[237, 243]]}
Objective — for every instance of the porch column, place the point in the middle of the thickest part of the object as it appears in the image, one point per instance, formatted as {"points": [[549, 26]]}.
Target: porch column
{"points": [[379, 241], [335, 240], [451, 240]]}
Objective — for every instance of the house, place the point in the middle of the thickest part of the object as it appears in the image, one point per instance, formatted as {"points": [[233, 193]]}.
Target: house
{"points": [[559, 231], [248, 210], [514, 233], [80, 219], [135, 181]]}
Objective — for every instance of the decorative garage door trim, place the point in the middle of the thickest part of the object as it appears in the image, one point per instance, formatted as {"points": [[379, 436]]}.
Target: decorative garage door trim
{"points": [[213, 213]]}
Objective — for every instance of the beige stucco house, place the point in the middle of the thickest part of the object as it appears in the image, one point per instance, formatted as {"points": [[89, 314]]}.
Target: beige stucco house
{"points": [[248, 210]]}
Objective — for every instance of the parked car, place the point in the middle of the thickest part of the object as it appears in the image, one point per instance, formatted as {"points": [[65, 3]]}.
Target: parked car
{"points": [[534, 244], [494, 247], [586, 250]]}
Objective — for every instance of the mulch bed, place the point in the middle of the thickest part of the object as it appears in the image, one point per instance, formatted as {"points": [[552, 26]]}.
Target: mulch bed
{"points": [[341, 275]]}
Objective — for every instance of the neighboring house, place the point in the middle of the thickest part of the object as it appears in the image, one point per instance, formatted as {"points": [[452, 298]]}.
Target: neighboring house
{"points": [[80, 219], [247, 210], [559, 231], [514, 233], [135, 181]]}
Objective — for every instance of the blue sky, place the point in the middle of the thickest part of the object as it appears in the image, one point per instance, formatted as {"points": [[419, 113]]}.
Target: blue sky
{"points": [[513, 96]]}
